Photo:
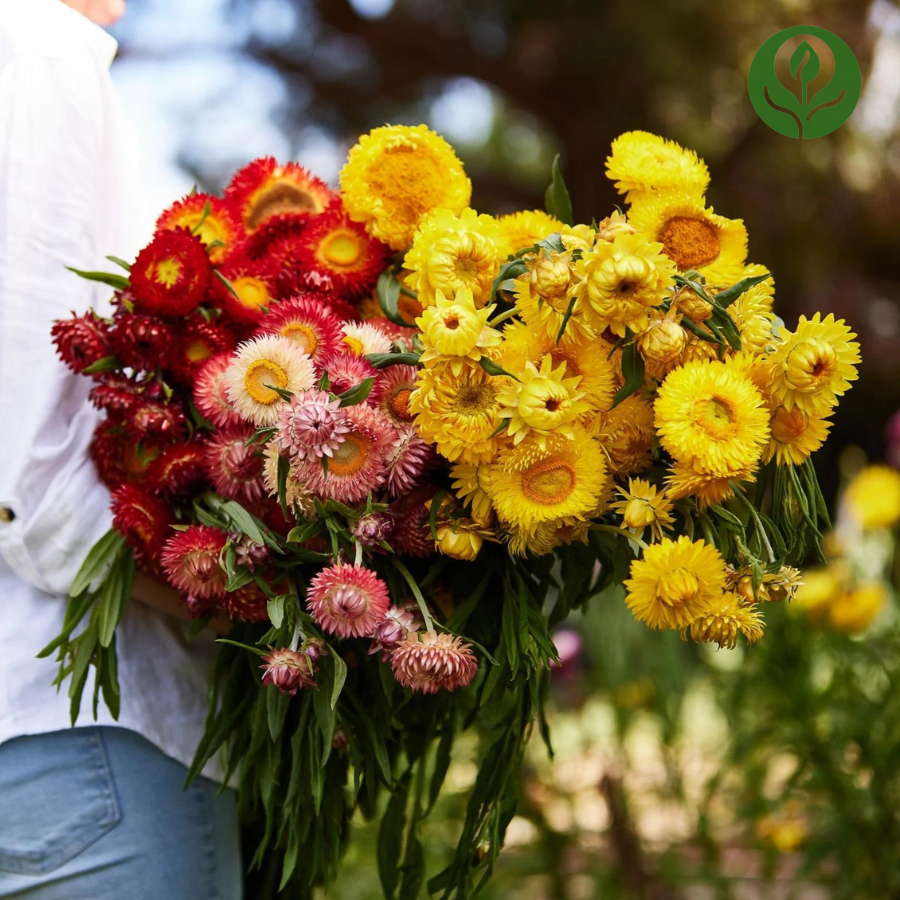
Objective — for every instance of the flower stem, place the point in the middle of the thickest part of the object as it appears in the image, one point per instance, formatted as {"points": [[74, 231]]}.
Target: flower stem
{"points": [[416, 592], [502, 317], [614, 529], [359, 554], [298, 636]]}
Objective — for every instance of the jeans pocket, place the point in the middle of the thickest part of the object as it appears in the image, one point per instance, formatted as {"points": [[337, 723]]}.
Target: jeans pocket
{"points": [[57, 797]]}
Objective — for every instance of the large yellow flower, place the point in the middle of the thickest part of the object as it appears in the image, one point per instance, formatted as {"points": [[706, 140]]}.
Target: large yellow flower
{"points": [[641, 161], [523, 229], [455, 332], [460, 413], [795, 435], [709, 489], [543, 401], [675, 582], [711, 416], [468, 485], [396, 175], [451, 253], [874, 497], [693, 236], [532, 484], [545, 538], [726, 618], [626, 435], [644, 506], [619, 280], [752, 312], [813, 366]]}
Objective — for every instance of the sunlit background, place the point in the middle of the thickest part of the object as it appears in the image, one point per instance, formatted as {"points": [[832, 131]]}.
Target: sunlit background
{"points": [[211, 84]]}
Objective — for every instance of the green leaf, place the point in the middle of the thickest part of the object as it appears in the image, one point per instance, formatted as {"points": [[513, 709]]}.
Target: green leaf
{"points": [[632, 371], [120, 262], [729, 295], [104, 364], [390, 838], [493, 368], [340, 676], [119, 282], [243, 521], [388, 289], [228, 285], [86, 644], [275, 609], [300, 534], [382, 360], [282, 472], [556, 198], [276, 710], [207, 209], [100, 557], [115, 593], [358, 393], [566, 317], [255, 650]]}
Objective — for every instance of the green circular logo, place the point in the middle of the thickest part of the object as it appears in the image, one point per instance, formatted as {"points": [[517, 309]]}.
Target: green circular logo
{"points": [[804, 82]]}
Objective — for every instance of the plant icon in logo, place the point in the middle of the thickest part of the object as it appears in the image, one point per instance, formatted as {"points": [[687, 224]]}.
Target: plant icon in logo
{"points": [[812, 96]]}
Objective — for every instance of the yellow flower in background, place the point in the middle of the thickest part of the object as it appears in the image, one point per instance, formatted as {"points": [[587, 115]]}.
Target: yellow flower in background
{"points": [[468, 486], [452, 253], [619, 280], [523, 229], [787, 830], [641, 161], [752, 312], [814, 365], [542, 402], [709, 489], [535, 483], [724, 621], [873, 497], [856, 610], [455, 331], [692, 235], [460, 413], [795, 435], [711, 416], [398, 174], [644, 506], [675, 582], [819, 588]]}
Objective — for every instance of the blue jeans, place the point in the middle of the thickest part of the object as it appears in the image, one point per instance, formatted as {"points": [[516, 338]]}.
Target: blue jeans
{"points": [[100, 814]]}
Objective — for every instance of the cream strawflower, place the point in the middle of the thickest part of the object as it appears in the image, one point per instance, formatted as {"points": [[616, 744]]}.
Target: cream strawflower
{"points": [[361, 338]]}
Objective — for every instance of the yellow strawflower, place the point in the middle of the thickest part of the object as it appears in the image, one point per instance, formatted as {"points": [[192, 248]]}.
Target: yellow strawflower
{"points": [[814, 365], [615, 223], [461, 540], [578, 237], [663, 342], [725, 619], [819, 588], [626, 435], [641, 161], [752, 312], [543, 293], [619, 280], [398, 174], [795, 435], [856, 610], [873, 497], [709, 489], [451, 253], [644, 506], [546, 537], [524, 229], [543, 401], [692, 235], [455, 331], [468, 486], [710, 415], [674, 583]]}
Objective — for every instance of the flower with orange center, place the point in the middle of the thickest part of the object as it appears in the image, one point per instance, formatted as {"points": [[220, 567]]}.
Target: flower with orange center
{"points": [[207, 216], [398, 174], [710, 415], [453, 253], [250, 291], [396, 384], [814, 365], [428, 662], [724, 621], [795, 435], [455, 331], [308, 322], [692, 235], [357, 465], [264, 189], [258, 368], [620, 280], [197, 342], [349, 601], [171, 274], [533, 483], [675, 582], [336, 247]]}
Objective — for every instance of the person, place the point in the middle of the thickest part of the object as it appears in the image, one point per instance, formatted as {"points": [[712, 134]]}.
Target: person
{"points": [[97, 811]]}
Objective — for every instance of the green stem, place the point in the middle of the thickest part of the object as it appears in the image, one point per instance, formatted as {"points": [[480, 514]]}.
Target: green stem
{"points": [[416, 592], [757, 522], [502, 317], [614, 529]]}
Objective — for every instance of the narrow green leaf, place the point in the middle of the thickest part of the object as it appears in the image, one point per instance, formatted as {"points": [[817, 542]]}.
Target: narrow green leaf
{"points": [[493, 368], [276, 710], [100, 557], [382, 360], [729, 295], [340, 676], [119, 282], [566, 317], [358, 393], [557, 201], [114, 595], [388, 288], [633, 372], [104, 364], [120, 262]]}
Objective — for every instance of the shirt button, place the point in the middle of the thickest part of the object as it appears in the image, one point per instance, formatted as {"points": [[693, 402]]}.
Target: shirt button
{"points": [[6, 514]]}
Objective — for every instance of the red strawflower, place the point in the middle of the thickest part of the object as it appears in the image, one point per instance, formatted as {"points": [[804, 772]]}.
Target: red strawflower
{"points": [[411, 533], [216, 224], [141, 342], [118, 455], [338, 248], [82, 340], [263, 189], [254, 283], [178, 470], [198, 342], [143, 520], [209, 392], [308, 322], [156, 421], [430, 661], [191, 561], [116, 394], [247, 604], [347, 600], [235, 468], [289, 670], [263, 245], [170, 276]]}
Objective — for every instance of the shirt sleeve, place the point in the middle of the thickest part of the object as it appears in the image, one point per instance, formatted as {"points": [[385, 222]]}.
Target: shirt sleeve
{"points": [[51, 176]]}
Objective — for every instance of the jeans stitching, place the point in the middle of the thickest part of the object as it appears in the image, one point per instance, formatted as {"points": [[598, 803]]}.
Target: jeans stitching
{"points": [[206, 825]]}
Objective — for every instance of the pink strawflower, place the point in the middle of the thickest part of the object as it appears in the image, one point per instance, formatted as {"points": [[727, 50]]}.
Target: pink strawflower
{"points": [[348, 600], [431, 661], [371, 529], [191, 561], [346, 370], [236, 468], [396, 384], [393, 628], [308, 322], [247, 604], [356, 466], [313, 425], [248, 553], [408, 460], [209, 392], [289, 670]]}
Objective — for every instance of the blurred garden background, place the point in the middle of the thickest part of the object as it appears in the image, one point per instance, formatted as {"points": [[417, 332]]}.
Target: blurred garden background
{"points": [[680, 771]]}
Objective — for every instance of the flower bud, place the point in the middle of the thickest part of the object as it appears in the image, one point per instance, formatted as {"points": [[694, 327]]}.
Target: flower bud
{"points": [[614, 224], [458, 544], [289, 670], [371, 529], [809, 365], [638, 514], [690, 303], [393, 628], [315, 649], [663, 342], [550, 276], [247, 552]]}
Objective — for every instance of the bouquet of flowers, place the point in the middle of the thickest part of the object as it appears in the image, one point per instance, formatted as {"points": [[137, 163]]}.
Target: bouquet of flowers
{"points": [[398, 441]]}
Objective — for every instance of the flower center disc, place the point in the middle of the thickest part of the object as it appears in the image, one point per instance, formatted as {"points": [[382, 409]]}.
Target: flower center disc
{"points": [[197, 350], [167, 272], [354, 344], [400, 404], [549, 482], [408, 180], [260, 373], [716, 417], [302, 335], [342, 249], [690, 243], [252, 292], [677, 587], [280, 197], [474, 399], [349, 457]]}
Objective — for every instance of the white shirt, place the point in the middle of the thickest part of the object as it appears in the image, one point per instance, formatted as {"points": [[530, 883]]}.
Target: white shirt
{"points": [[67, 178]]}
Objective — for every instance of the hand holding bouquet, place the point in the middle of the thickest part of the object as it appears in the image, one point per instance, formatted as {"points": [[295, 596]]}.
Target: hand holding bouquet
{"points": [[397, 441]]}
